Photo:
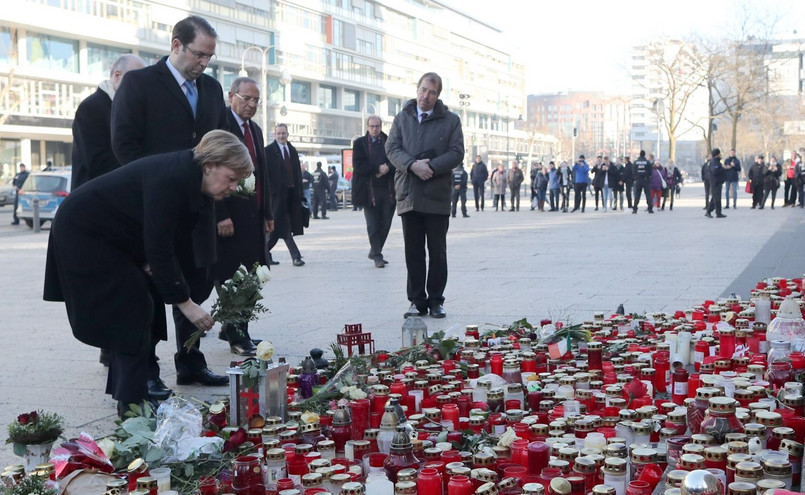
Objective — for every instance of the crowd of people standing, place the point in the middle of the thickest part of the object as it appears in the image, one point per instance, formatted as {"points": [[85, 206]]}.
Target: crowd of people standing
{"points": [[608, 182]]}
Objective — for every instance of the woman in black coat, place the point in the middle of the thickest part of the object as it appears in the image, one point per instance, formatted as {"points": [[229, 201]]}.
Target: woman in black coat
{"points": [[771, 182], [118, 245]]}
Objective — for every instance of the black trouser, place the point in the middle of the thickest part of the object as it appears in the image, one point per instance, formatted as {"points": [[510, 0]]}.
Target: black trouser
{"points": [[707, 194], [715, 196], [283, 230], [189, 362], [461, 194], [478, 192], [319, 202], [642, 186], [333, 198], [127, 379], [790, 192], [502, 198], [515, 202], [16, 204], [580, 188], [757, 194], [378, 221], [628, 186], [565, 197], [773, 191], [554, 198], [597, 193], [425, 288]]}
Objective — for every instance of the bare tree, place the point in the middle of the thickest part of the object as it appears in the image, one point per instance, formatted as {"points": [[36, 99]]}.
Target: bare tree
{"points": [[677, 65], [743, 73]]}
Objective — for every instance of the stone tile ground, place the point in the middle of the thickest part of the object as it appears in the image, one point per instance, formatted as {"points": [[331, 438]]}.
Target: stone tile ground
{"points": [[503, 266]]}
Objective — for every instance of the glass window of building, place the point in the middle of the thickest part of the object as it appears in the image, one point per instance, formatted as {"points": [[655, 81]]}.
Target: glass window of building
{"points": [[300, 92], [326, 96], [100, 58], [6, 45], [372, 103], [352, 100], [150, 58], [276, 91], [52, 52], [395, 106]]}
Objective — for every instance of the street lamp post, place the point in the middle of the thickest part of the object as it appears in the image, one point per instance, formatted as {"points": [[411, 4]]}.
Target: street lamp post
{"points": [[659, 109], [285, 79]]}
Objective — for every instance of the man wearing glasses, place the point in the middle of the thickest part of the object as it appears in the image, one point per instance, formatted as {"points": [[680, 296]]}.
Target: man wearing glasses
{"points": [[243, 219], [425, 144], [169, 106]]}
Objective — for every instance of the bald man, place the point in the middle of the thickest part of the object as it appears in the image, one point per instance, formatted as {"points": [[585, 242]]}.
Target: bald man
{"points": [[92, 135]]}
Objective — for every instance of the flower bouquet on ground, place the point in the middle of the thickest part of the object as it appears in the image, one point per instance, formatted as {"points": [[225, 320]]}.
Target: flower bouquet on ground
{"points": [[238, 299], [33, 428]]}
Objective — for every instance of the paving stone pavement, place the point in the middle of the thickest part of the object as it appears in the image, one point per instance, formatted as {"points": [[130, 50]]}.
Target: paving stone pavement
{"points": [[502, 266]]}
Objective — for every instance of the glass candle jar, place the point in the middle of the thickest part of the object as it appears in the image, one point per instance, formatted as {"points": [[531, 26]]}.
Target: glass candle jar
{"points": [[720, 419], [615, 474]]}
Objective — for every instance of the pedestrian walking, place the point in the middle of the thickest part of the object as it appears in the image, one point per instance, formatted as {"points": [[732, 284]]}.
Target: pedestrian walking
{"points": [[499, 187], [479, 175], [581, 178], [459, 190], [321, 188], [642, 169]]}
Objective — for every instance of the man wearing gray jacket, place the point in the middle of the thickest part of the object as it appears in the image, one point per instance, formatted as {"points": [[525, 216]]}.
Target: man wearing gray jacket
{"points": [[425, 144]]}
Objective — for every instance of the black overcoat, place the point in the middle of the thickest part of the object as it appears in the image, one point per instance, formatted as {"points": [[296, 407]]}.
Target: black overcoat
{"points": [[151, 115], [247, 245], [366, 164], [286, 202], [103, 235], [92, 139]]}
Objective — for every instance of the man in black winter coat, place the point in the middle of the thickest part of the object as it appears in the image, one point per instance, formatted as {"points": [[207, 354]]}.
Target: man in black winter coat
{"points": [[479, 174], [321, 187], [459, 190], [373, 186], [642, 181], [716, 182], [92, 133]]}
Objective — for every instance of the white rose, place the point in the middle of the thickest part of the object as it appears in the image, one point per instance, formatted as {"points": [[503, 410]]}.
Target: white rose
{"points": [[265, 350], [309, 417], [263, 274], [507, 438], [248, 184], [357, 394]]}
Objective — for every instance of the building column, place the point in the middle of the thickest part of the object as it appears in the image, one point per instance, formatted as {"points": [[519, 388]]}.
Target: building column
{"points": [[25, 153]]}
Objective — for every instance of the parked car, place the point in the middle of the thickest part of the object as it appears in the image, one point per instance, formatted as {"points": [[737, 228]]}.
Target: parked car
{"points": [[7, 192], [50, 187]]}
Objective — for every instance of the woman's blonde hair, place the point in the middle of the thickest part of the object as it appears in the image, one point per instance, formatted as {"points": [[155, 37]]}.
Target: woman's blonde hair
{"points": [[224, 149]]}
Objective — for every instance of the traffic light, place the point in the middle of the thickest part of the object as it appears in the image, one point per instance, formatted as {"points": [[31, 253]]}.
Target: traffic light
{"points": [[575, 132], [465, 99]]}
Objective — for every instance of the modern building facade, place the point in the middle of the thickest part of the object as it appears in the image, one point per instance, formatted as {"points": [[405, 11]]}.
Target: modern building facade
{"points": [[325, 66], [585, 122]]}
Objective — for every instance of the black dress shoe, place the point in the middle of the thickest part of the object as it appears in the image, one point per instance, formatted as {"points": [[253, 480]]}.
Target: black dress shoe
{"points": [[244, 348], [721, 216], [437, 312], [298, 262], [157, 389], [202, 377], [379, 263], [414, 311], [256, 342], [708, 215]]}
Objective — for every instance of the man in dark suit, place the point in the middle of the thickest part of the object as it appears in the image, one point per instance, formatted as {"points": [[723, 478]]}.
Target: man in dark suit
{"points": [[92, 135], [243, 218], [169, 106], [285, 177], [373, 186], [17, 182]]}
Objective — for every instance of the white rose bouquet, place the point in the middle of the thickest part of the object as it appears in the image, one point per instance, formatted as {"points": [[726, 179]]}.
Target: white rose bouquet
{"points": [[246, 187], [238, 299]]}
